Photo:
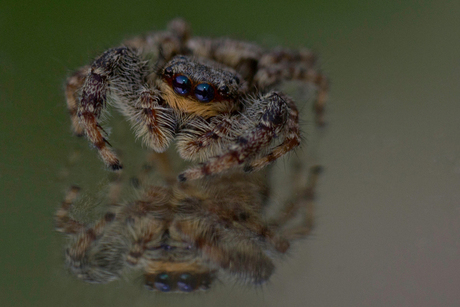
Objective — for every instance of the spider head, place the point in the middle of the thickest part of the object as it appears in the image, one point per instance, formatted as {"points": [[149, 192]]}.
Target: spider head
{"points": [[200, 87]]}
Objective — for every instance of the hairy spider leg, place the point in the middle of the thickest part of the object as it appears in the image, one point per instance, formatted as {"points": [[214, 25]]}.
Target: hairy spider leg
{"points": [[226, 224], [206, 138], [152, 122], [231, 249], [162, 46], [143, 230], [241, 56], [265, 68], [284, 64], [280, 55], [119, 74], [304, 198], [271, 121], [73, 86], [145, 221], [64, 223], [117, 71], [83, 236], [291, 133]]}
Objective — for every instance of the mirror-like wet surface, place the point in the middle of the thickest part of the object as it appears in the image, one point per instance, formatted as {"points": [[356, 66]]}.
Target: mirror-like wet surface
{"points": [[386, 226]]}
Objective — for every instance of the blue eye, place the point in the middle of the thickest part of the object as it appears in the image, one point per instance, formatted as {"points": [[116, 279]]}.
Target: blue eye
{"points": [[163, 282], [181, 85], [204, 92], [186, 282]]}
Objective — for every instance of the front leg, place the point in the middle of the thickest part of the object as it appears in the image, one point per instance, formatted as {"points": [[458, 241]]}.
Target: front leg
{"points": [[73, 86], [118, 72], [153, 121], [202, 139], [270, 116], [291, 133]]}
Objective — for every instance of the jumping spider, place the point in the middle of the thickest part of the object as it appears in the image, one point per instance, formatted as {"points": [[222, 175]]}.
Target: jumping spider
{"points": [[183, 235], [214, 97]]}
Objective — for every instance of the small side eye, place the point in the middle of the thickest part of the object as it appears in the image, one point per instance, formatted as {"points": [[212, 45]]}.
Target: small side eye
{"points": [[186, 282], [204, 92], [205, 281], [168, 72], [181, 85], [224, 90], [167, 247], [163, 282]]}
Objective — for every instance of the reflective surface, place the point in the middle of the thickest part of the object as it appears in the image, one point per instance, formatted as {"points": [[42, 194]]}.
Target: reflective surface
{"points": [[183, 236], [387, 223]]}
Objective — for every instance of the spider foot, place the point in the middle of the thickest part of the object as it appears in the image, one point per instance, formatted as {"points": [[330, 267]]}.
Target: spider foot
{"points": [[215, 165], [193, 173], [63, 222], [182, 177]]}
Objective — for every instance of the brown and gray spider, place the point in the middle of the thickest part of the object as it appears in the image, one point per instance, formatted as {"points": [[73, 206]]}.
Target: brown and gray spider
{"points": [[183, 235], [214, 97]]}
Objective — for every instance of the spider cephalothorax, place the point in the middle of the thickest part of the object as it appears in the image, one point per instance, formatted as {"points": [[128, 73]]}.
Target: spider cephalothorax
{"points": [[215, 97], [198, 89]]}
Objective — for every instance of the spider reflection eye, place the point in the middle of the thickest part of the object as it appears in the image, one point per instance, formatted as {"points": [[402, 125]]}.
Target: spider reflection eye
{"points": [[181, 85], [163, 282], [204, 92], [206, 281], [166, 247], [186, 282]]}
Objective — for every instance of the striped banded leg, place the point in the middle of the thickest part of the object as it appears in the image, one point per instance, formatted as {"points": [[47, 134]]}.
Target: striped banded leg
{"points": [[278, 116], [118, 72], [73, 86], [284, 64]]}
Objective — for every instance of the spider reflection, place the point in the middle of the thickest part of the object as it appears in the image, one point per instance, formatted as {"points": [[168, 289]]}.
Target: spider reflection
{"points": [[184, 235]]}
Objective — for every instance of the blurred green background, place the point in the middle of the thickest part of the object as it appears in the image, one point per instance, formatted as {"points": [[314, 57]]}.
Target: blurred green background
{"points": [[388, 227]]}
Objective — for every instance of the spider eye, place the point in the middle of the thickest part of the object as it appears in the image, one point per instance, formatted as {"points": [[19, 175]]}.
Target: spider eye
{"points": [[163, 282], [204, 92], [168, 72], [186, 282], [166, 247], [206, 281], [181, 85], [224, 90]]}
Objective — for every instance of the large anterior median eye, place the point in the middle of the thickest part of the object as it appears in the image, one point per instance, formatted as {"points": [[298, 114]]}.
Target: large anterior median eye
{"points": [[181, 85], [186, 282], [163, 282], [204, 92]]}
